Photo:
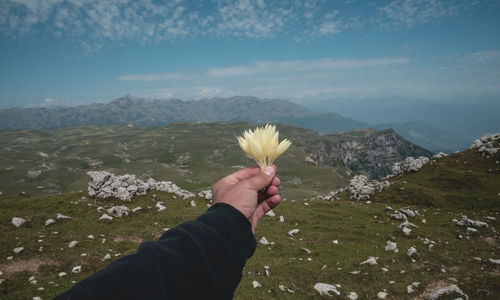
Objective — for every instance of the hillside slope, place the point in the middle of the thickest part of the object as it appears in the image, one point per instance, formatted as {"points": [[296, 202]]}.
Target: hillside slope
{"points": [[334, 238], [193, 155]]}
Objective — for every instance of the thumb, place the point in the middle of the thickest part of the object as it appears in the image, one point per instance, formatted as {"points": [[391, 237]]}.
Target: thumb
{"points": [[262, 179]]}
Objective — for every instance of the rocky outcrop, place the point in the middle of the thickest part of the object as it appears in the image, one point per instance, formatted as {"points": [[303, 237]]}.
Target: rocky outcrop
{"points": [[360, 188], [104, 185], [485, 145], [410, 164], [364, 151]]}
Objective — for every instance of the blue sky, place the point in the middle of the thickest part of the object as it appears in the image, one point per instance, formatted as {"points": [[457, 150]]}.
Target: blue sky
{"points": [[55, 52]]}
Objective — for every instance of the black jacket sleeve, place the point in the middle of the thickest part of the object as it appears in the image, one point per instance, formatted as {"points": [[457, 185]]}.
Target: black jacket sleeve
{"points": [[201, 259]]}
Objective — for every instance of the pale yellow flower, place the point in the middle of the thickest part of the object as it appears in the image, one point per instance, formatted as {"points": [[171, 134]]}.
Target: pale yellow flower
{"points": [[262, 145]]}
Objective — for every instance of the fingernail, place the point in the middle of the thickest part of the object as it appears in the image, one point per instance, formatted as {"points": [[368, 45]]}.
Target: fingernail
{"points": [[269, 171]]}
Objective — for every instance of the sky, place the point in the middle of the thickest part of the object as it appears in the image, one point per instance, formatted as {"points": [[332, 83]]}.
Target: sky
{"points": [[74, 52]]}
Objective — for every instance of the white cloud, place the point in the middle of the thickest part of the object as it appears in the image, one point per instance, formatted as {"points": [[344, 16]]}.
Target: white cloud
{"points": [[210, 92], [155, 77], [414, 12], [299, 66], [48, 100]]}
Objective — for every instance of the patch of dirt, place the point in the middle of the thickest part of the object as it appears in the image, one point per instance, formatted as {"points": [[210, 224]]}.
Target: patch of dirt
{"points": [[121, 238], [31, 265], [490, 240]]}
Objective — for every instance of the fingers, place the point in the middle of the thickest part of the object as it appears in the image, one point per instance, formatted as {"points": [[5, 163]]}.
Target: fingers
{"points": [[263, 208], [261, 180], [246, 173], [276, 181]]}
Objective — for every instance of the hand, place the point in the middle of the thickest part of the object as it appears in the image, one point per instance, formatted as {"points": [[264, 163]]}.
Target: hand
{"points": [[241, 190]]}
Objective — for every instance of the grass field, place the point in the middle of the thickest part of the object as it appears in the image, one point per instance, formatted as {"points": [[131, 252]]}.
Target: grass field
{"points": [[460, 184]]}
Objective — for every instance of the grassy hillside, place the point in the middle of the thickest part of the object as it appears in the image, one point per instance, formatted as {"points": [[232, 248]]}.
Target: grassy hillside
{"points": [[441, 192], [193, 155]]}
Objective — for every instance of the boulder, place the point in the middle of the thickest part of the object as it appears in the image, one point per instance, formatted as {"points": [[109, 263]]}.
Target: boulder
{"points": [[324, 289], [410, 164], [18, 222], [449, 290]]}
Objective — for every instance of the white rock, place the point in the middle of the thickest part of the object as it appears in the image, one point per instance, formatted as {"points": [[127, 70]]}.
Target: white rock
{"points": [[136, 209], [49, 222], [76, 269], [293, 231], [105, 217], [411, 251], [36, 298], [18, 222], [495, 261], [106, 257], [306, 250], [390, 246], [352, 296], [491, 218], [381, 295], [18, 250], [118, 211], [159, 206], [193, 203], [466, 222], [472, 230], [360, 188], [270, 213], [324, 289], [264, 241], [61, 216], [371, 261], [90, 236], [72, 244], [282, 287], [409, 289], [62, 274], [282, 219], [410, 164], [406, 230], [335, 242], [355, 272], [449, 290], [256, 284]]}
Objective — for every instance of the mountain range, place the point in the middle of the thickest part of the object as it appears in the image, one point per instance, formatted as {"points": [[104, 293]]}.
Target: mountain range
{"points": [[433, 126]]}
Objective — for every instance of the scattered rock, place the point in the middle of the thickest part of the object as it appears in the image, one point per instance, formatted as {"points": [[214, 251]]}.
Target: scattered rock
{"points": [[270, 213], [466, 222], [18, 222], [49, 222], [307, 251], [207, 194], [76, 269], [72, 244], [160, 206], [264, 241], [62, 274], [495, 261], [324, 289], [293, 231], [18, 250], [61, 216], [382, 295], [335, 242], [352, 296], [390, 246], [411, 251], [105, 217], [282, 219], [118, 211], [33, 173], [449, 290], [371, 261], [256, 284], [136, 209], [193, 203], [410, 164], [439, 155], [106, 257]]}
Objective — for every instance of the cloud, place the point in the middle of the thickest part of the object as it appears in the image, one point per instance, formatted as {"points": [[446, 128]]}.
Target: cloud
{"points": [[48, 100], [414, 12], [300, 66], [155, 77]]}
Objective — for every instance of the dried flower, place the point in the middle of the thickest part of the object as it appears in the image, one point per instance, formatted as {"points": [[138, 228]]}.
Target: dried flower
{"points": [[262, 145]]}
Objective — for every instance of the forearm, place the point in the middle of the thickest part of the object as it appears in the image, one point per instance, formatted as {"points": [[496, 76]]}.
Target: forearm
{"points": [[199, 259]]}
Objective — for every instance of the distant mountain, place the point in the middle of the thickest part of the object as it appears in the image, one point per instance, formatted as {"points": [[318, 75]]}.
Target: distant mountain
{"points": [[463, 120], [147, 112], [428, 136]]}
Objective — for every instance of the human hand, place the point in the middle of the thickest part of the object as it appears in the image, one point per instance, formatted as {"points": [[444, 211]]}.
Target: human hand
{"points": [[241, 190]]}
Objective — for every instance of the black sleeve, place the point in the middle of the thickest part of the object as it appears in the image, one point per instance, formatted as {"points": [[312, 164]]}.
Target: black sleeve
{"points": [[201, 259]]}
